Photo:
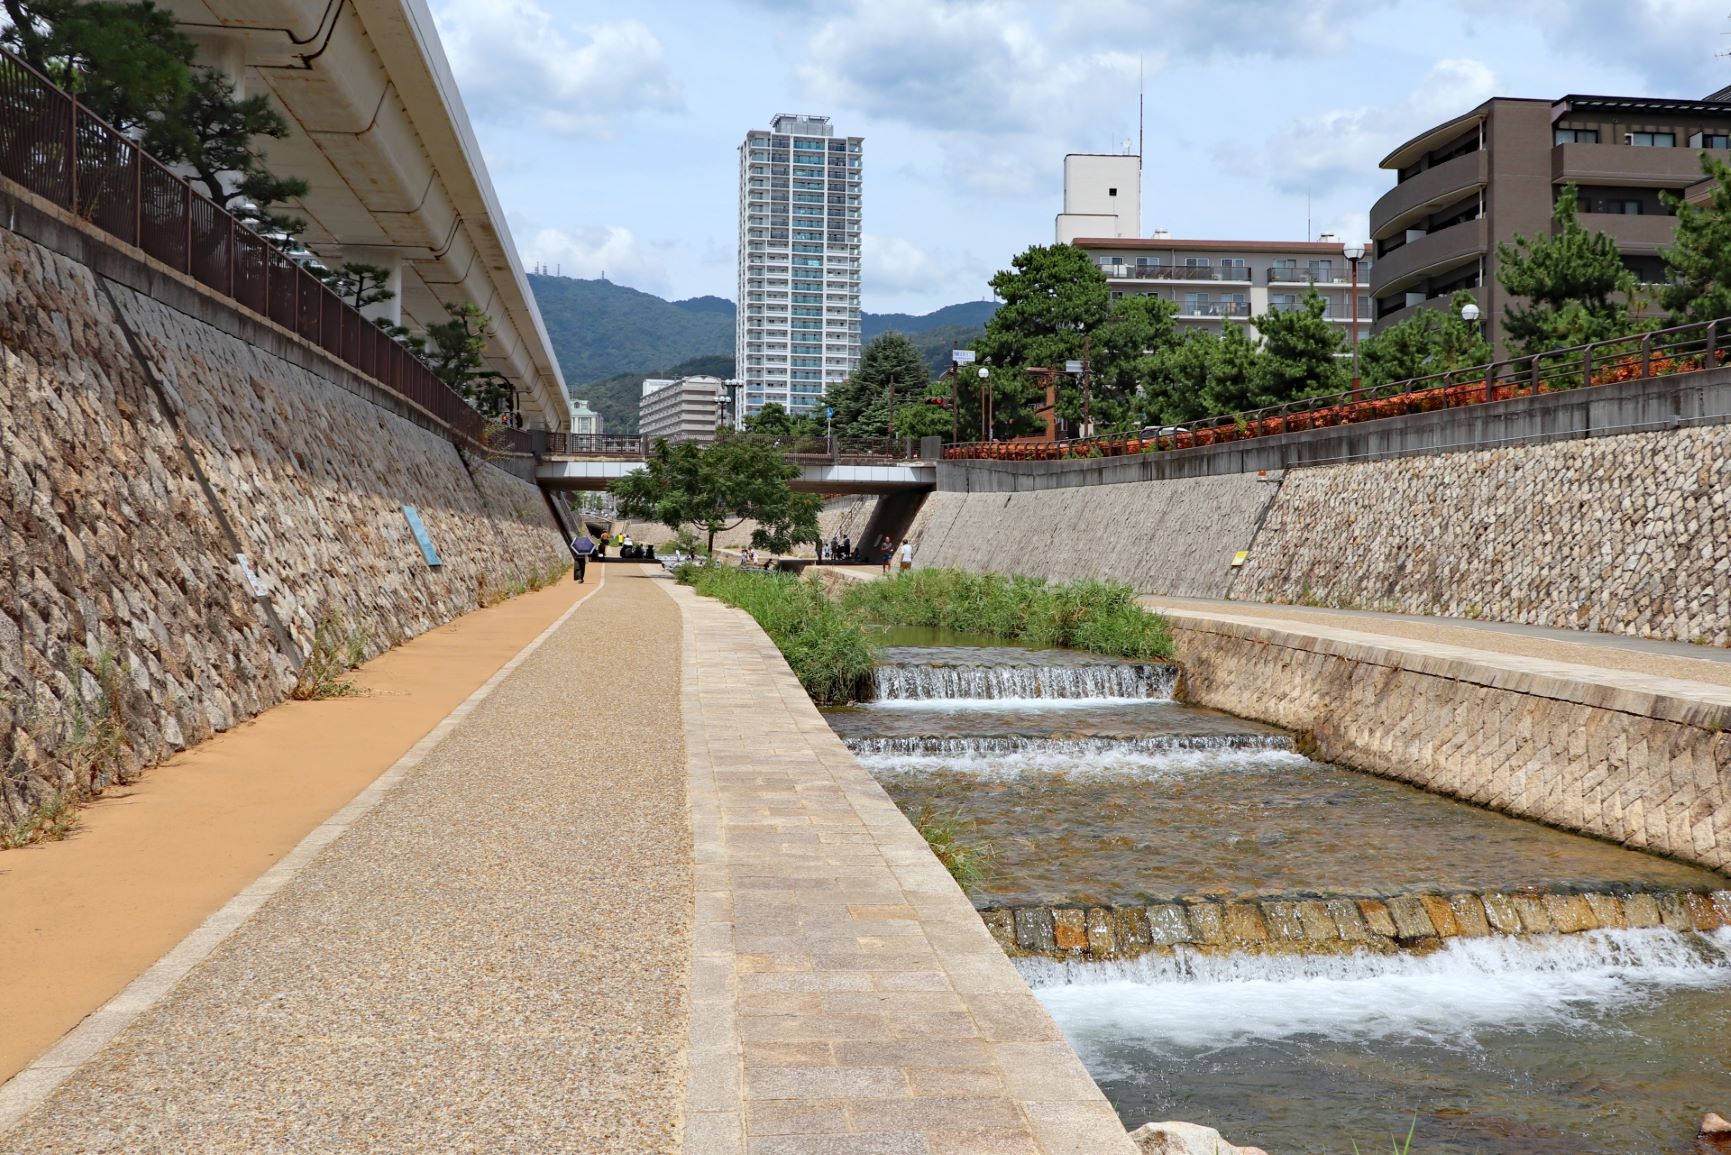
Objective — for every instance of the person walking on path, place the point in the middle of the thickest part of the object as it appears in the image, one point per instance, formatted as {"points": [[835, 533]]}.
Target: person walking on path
{"points": [[581, 547], [907, 552]]}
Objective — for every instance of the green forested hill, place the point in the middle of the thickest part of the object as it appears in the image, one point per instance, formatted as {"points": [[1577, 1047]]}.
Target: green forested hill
{"points": [[608, 338]]}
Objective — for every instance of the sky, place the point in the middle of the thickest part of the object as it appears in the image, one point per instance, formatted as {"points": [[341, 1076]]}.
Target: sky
{"points": [[611, 129]]}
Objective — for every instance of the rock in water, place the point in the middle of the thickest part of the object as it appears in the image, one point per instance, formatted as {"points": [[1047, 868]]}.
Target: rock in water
{"points": [[1714, 1136], [1185, 1139]]}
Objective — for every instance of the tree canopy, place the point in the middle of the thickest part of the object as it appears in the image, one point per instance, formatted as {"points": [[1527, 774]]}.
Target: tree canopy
{"points": [[1429, 341], [1299, 358], [1572, 286], [1054, 298], [862, 402], [718, 486], [1700, 255]]}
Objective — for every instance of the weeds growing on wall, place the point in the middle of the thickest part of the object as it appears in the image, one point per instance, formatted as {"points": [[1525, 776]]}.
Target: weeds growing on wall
{"points": [[538, 579], [1101, 617], [828, 650], [86, 743], [337, 649], [952, 841]]}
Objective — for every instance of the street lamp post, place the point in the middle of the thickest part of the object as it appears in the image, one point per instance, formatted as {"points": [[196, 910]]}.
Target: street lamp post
{"points": [[1470, 314], [1354, 254], [986, 402]]}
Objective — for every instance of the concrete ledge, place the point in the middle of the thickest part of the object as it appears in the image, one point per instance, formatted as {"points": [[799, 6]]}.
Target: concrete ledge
{"points": [[1640, 760]]}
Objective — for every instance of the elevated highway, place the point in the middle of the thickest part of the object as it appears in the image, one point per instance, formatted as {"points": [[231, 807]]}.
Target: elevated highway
{"points": [[397, 180]]}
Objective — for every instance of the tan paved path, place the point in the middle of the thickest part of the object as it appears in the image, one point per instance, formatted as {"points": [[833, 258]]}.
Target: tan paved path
{"points": [[1612, 652], [846, 999], [149, 862], [495, 958]]}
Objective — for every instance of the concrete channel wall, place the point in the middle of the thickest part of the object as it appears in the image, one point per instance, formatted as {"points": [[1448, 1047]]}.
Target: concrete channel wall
{"points": [[1643, 761], [149, 432], [1338, 925]]}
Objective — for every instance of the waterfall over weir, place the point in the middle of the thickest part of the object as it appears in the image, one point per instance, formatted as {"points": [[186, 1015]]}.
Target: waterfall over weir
{"points": [[970, 746], [1030, 682]]}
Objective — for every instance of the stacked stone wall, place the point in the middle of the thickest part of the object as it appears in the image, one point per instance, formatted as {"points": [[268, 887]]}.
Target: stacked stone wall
{"points": [[1172, 537], [1628, 534], [1632, 765], [109, 543]]}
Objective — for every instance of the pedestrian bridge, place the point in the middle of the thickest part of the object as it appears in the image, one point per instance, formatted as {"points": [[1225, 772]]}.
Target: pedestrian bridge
{"points": [[826, 465]]}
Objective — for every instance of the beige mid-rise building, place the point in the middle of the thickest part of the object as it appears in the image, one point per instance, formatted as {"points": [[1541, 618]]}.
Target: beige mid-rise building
{"points": [[682, 409]]}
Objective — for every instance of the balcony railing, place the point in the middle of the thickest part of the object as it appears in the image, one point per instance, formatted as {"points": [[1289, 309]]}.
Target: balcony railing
{"points": [[1176, 272], [1288, 275], [1214, 308], [56, 148]]}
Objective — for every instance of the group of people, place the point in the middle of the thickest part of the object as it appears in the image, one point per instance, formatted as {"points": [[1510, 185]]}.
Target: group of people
{"points": [[584, 547], [838, 548], [885, 550]]}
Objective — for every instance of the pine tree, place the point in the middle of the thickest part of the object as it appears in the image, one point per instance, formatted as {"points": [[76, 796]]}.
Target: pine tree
{"points": [[1299, 354], [1429, 341], [1125, 353], [1573, 285], [1053, 299], [1700, 257], [862, 402], [1234, 373]]}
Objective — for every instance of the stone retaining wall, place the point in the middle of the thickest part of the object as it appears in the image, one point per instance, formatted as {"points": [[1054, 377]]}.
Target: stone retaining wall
{"points": [[1338, 925], [1627, 534], [1646, 763], [1171, 537], [111, 543]]}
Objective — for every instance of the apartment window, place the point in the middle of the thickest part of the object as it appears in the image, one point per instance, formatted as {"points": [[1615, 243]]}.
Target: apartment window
{"points": [[1651, 139], [1577, 136], [1111, 192], [1196, 304], [1198, 263], [1710, 140], [1631, 208], [1233, 269]]}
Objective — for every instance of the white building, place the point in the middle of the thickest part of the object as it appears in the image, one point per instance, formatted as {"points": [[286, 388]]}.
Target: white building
{"points": [[1102, 196], [686, 409], [799, 263], [585, 420]]}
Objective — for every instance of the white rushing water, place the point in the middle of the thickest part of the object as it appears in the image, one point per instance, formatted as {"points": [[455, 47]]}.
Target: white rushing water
{"points": [[1145, 759], [1011, 686], [1190, 1002]]}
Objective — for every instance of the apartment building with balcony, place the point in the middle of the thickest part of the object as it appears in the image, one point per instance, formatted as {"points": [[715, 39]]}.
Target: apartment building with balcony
{"points": [[1214, 282], [681, 409], [1495, 172], [799, 263]]}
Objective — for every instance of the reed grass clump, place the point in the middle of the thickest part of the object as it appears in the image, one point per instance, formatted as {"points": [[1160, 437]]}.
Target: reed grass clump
{"points": [[827, 650], [336, 650], [952, 840], [1101, 617]]}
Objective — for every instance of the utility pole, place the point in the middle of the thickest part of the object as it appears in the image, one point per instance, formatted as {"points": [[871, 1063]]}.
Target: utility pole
{"points": [[892, 412]]}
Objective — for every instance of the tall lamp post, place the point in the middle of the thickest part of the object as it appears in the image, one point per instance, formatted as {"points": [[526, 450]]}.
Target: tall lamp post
{"points": [[1354, 254], [986, 402]]}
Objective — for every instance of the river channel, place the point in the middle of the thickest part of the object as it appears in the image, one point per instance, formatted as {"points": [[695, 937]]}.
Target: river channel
{"points": [[1092, 786]]}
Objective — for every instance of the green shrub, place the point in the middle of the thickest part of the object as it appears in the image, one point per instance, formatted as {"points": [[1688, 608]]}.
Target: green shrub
{"points": [[1101, 617], [953, 842], [826, 649]]}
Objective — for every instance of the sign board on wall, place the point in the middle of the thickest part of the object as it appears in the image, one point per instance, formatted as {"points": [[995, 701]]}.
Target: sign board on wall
{"points": [[259, 589], [422, 539]]}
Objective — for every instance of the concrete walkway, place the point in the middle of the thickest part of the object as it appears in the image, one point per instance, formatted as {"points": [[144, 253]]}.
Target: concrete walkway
{"points": [[846, 998], [495, 958], [1613, 653]]}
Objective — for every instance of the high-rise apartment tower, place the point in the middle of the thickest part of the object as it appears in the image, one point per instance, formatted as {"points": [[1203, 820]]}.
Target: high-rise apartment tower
{"points": [[799, 263]]}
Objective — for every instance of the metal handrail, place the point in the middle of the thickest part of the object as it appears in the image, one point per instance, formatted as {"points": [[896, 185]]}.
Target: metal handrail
{"points": [[53, 146], [1661, 352]]}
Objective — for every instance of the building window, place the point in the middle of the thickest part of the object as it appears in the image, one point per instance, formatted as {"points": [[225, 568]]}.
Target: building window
{"points": [[1111, 192], [1710, 140], [1577, 136], [1651, 139]]}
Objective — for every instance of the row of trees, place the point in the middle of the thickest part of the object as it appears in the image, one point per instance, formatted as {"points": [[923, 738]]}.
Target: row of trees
{"points": [[1569, 287], [130, 64]]}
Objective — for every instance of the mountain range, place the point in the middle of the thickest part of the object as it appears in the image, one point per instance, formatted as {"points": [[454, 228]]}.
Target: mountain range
{"points": [[609, 337]]}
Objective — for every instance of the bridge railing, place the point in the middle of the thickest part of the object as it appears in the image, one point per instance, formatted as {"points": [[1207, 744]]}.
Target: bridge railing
{"points": [[800, 450], [61, 151], [1659, 353]]}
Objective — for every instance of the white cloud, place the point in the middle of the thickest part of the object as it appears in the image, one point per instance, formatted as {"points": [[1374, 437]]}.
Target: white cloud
{"points": [[513, 60], [1189, 31], [604, 250], [893, 265], [1675, 46], [1340, 148]]}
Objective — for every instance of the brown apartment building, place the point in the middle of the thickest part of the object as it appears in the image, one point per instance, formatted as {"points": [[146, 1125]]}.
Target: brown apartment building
{"points": [[1495, 172]]}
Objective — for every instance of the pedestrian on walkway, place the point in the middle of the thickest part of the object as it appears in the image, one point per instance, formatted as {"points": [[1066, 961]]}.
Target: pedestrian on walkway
{"points": [[581, 547], [907, 552]]}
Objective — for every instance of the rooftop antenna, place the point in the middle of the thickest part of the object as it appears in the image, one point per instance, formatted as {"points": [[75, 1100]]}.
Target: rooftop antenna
{"points": [[1141, 101], [1307, 214]]}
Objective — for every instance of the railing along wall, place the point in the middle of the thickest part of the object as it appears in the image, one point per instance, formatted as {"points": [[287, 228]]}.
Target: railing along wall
{"points": [[800, 450], [1660, 353], [58, 149]]}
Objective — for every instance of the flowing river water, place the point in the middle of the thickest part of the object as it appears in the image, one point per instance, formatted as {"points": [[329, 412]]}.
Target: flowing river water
{"points": [[1093, 787]]}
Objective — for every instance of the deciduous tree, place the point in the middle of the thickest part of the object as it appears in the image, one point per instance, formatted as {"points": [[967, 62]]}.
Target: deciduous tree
{"points": [[719, 486]]}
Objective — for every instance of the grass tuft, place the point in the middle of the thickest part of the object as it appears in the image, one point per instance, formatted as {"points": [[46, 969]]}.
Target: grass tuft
{"points": [[337, 649], [952, 840], [1101, 617], [828, 651]]}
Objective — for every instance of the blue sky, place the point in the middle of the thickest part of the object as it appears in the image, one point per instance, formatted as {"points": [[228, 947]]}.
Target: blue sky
{"points": [[610, 129]]}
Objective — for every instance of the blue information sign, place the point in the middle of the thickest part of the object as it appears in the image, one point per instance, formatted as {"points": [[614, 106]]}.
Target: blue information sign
{"points": [[421, 538]]}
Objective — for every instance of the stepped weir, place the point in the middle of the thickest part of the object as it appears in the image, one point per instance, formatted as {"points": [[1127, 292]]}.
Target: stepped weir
{"points": [[1211, 916]]}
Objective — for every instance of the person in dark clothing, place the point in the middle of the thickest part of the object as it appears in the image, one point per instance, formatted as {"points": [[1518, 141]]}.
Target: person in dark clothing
{"points": [[581, 547], [846, 548]]}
